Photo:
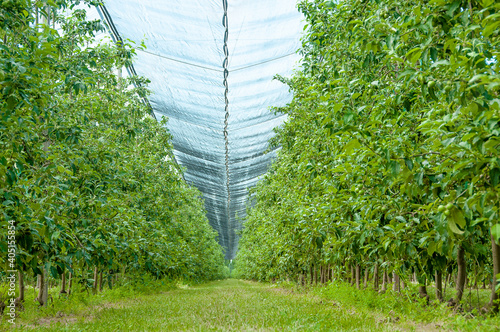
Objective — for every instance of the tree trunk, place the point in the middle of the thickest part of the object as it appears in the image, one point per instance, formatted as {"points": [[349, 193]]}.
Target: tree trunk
{"points": [[396, 287], [495, 250], [375, 277], [311, 275], [422, 288], [20, 299], [384, 282], [63, 283], [43, 291], [96, 271], [439, 285], [358, 276], [38, 282], [422, 291], [70, 282], [353, 275], [110, 280], [461, 274], [446, 282], [367, 273], [100, 281]]}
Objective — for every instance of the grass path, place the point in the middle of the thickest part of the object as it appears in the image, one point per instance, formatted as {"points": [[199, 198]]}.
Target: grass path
{"points": [[228, 305]]}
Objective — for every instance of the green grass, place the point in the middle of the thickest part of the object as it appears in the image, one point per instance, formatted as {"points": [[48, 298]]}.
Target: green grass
{"points": [[413, 313], [229, 305], [235, 305]]}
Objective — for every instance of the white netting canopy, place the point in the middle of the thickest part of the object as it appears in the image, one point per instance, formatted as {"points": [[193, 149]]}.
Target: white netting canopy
{"points": [[211, 65]]}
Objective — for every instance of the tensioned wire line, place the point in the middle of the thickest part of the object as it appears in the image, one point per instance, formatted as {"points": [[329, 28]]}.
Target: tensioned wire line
{"points": [[214, 68], [115, 36]]}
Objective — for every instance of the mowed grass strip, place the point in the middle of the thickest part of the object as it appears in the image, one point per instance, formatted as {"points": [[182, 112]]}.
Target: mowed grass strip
{"points": [[228, 305]]}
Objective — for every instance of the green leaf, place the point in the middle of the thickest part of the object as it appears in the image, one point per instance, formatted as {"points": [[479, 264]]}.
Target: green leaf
{"points": [[454, 228], [413, 55], [431, 248], [490, 28], [455, 218], [395, 167], [353, 144], [495, 176], [11, 102], [433, 52], [495, 232], [409, 164]]}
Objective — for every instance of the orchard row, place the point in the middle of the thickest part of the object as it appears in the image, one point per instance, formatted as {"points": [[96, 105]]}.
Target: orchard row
{"points": [[86, 174], [390, 156]]}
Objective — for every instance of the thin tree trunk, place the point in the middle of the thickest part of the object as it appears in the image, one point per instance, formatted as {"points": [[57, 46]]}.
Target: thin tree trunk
{"points": [[422, 289], [43, 292], [353, 275], [367, 273], [315, 271], [94, 290], [396, 286], [439, 285], [375, 277], [20, 299], [358, 276], [110, 280], [384, 282], [63, 283], [495, 250], [446, 282], [100, 281], [70, 282], [38, 282], [461, 274]]}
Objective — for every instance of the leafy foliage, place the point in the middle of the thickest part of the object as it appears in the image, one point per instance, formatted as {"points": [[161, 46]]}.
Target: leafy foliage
{"points": [[390, 154], [86, 174]]}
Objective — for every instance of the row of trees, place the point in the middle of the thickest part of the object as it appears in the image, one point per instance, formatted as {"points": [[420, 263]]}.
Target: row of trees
{"points": [[86, 174], [390, 156]]}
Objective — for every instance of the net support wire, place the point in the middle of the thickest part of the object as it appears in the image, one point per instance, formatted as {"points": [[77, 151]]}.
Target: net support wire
{"points": [[117, 39]]}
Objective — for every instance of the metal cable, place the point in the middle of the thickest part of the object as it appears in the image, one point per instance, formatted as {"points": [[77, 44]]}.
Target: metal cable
{"points": [[181, 61], [213, 68], [115, 36], [226, 72]]}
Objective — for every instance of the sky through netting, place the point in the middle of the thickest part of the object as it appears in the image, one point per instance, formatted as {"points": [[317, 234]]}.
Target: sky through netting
{"points": [[211, 66]]}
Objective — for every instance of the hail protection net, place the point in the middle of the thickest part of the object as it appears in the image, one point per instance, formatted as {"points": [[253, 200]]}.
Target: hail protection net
{"points": [[211, 65]]}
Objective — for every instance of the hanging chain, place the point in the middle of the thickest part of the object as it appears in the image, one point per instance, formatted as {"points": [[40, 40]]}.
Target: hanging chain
{"points": [[226, 73]]}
